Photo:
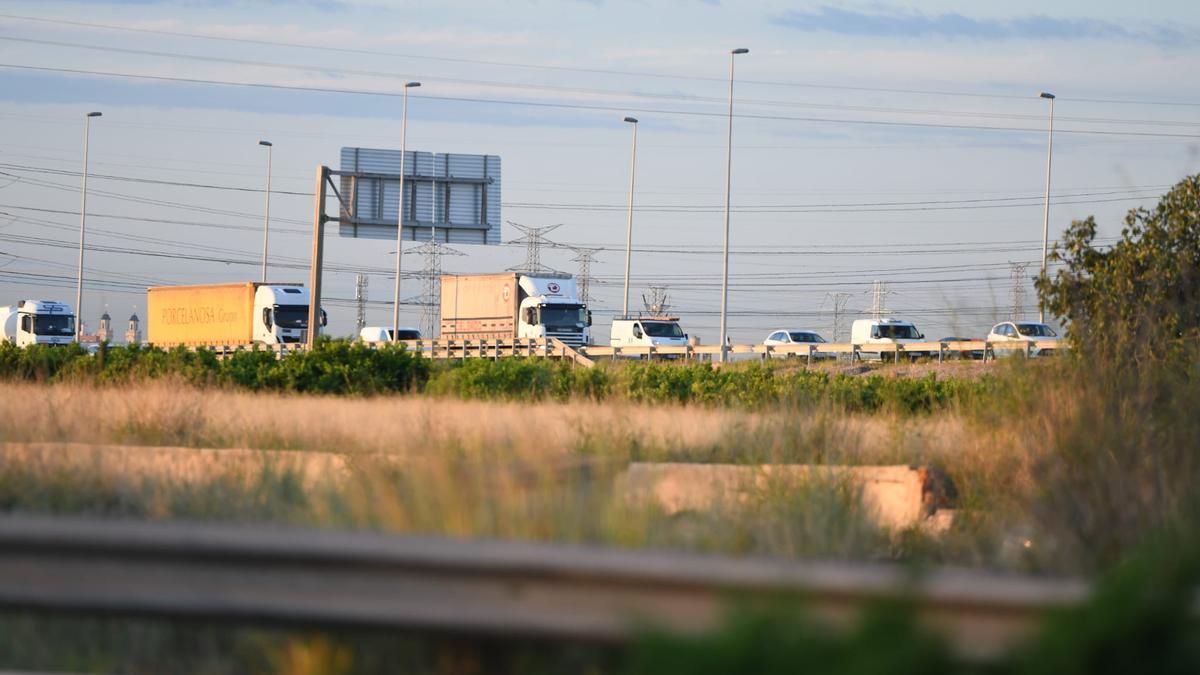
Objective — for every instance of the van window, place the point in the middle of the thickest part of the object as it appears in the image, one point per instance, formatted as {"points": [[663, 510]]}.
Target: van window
{"points": [[898, 331], [662, 329]]}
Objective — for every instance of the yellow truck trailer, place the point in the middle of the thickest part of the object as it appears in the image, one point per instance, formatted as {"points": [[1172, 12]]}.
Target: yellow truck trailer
{"points": [[226, 314]]}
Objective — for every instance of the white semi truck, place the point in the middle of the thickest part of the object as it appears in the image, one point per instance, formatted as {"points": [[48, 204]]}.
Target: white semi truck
{"points": [[37, 322], [227, 314], [512, 305]]}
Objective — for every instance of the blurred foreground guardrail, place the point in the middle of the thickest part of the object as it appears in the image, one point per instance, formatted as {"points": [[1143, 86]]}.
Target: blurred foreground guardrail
{"points": [[469, 588]]}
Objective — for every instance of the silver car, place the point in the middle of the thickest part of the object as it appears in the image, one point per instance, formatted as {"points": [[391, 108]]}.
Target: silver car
{"points": [[797, 337]]}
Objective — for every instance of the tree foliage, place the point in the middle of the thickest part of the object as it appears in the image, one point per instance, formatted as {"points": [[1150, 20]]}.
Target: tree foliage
{"points": [[1138, 298]]}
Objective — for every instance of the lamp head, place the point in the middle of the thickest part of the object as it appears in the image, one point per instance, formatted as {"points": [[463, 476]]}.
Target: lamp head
{"points": [[631, 120], [94, 114], [265, 144], [410, 85], [740, 50], [1046, 94]]}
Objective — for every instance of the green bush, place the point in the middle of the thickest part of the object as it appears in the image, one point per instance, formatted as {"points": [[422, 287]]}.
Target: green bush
{"points": [[344, 367], [332, 367]]}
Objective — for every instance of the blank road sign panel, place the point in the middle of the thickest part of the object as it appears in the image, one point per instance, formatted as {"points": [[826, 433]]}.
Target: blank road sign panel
{"points": [[457, 196]]}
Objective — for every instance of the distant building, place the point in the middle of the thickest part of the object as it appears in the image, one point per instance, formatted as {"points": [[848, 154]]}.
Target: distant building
{"points": [[105, 334], [133, 336]]}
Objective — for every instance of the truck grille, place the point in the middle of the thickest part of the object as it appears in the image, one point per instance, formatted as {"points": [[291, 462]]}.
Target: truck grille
{"points": [[571, 339]]}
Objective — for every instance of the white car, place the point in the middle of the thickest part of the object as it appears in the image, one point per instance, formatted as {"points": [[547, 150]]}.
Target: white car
{"points": [[1024, 331], [381, 334], [793, 336]]}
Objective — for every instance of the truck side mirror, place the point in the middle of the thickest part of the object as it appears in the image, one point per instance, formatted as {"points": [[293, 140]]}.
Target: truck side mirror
{"points": [[875, 332], [529, 316], [637, 331], [267, 317], [589, 317], [324, 318]]}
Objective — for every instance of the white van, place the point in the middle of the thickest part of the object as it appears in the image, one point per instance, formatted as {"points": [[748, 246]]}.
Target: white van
{"points": [[381, 334], [867, 332], [650, 331]]}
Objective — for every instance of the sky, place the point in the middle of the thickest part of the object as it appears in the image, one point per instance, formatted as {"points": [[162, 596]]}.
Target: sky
{"points": [[895, 141]]}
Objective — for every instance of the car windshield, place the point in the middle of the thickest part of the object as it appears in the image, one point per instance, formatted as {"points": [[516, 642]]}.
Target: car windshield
{"points": [[662, 329], [567, 316], [291, 316], [54, 324], [898, 331], [806, 337], [1035, 330], [403, 334]]}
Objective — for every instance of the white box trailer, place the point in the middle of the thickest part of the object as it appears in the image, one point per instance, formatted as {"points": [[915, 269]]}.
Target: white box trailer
{"points": [[512, 305]]}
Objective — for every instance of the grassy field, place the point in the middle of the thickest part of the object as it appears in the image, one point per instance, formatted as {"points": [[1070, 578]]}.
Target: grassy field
{"points": [[531, 470], [1059, 470]]}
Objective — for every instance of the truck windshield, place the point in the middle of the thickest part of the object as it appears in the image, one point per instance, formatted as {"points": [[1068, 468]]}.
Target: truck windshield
{"points": [[1036, 330], [662, 329], [566, 316], [291, 316], [898, 332], [54, 324]]}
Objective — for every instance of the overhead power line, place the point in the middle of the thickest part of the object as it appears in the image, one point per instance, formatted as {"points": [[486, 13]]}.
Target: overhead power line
{"points": [[309, 47], [672, 96], [820, 207], [580, 106]]}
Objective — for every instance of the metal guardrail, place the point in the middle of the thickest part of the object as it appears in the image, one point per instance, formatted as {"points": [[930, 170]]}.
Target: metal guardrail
{"points": [[587, 355], [471, 588]]}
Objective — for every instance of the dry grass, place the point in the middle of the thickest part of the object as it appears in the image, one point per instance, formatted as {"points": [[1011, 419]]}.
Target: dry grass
{"points": [[471, 468]]}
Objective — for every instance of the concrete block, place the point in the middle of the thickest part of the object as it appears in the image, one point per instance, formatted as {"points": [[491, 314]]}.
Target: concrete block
{"points": [[894, 497]]}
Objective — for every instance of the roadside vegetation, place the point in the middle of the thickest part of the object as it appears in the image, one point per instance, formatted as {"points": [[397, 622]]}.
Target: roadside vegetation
{"points": [[341, 367]]}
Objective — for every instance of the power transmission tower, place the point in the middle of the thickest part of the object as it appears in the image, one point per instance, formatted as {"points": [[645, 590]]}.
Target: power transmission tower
{"points": [[1018, 272], [431, 283], [360, 301], [839, 301], [659, 302], [585, 257], [534, 239], [879, 293]]}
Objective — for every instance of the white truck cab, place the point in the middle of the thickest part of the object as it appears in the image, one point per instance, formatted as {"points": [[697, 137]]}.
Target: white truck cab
{"points": [[382, 334], [551, 308], [647, 331], [867, 332], [281, 314], [38, 322]]}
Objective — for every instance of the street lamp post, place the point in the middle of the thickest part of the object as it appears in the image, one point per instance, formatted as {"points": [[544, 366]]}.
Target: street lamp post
{"points": [[87, 125], [1046, 208], [400, 215], [728, 180], [629, 223], [266, 209]]}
